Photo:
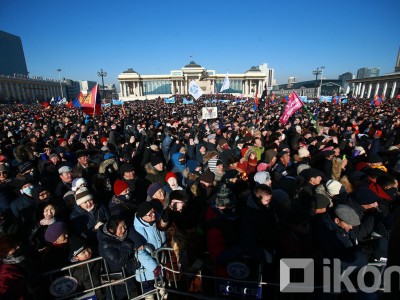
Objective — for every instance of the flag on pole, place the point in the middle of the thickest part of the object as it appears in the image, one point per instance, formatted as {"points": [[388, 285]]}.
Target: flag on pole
{"points": [[225, 84], [195, 90], [91, 104], [293, 105], [256, 101]]}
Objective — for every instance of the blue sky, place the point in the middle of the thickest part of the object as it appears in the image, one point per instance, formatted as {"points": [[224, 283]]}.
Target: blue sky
{"points": [[154, 37]]}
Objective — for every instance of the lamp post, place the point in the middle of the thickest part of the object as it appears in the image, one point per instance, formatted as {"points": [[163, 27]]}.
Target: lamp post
{"points": [[316, 73], [59, 77], [102, 74], [322, 73]]}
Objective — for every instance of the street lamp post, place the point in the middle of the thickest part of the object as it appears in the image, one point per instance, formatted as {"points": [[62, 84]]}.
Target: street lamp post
{"points": [[59, 77], [316, 73], [102, 74], [322, 73]]}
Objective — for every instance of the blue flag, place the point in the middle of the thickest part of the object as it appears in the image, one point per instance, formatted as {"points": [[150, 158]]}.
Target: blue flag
{"points": [[76, 103]]}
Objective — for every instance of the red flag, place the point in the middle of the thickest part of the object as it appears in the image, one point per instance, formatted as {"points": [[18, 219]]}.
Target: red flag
{"points": [[69, 104], [293, 105], [256, 98], [90, 99], [45, 104]]}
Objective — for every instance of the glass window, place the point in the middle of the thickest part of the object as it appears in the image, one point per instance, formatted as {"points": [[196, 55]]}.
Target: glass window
{"points": [[153, 87], [235, 86]]}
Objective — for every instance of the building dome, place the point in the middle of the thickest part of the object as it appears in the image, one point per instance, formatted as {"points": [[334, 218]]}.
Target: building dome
{"points": [[254, 69], [130, 70], [192, 64]]}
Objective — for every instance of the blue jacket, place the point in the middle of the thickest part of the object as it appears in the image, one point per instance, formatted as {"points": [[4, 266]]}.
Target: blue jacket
{"points": [[155, 239]]}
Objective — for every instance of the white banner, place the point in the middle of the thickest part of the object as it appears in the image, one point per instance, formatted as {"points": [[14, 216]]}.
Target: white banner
{"points": [[209, 113], [195, 90]]}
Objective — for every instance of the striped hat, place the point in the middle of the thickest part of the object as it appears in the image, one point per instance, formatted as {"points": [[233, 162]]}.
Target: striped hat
{"points": [[82, 195]]}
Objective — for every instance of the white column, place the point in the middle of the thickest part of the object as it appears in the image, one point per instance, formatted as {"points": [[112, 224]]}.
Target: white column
{"points": [[362, 90], [173, 87], [376, 89], [384, 89], [120, 88], [347, 89], [394, 86], [369, 90]]}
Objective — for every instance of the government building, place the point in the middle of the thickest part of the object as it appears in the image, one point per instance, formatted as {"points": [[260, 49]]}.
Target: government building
{"points": [[135, 86]]}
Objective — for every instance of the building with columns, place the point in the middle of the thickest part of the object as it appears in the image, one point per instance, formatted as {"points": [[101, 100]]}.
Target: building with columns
{"points": [[24, 89], [387, 85], [135, 86]]}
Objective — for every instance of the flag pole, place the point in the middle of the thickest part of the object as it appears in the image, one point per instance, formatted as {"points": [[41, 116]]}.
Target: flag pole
{"points": [[95, 100], [309, 114]]}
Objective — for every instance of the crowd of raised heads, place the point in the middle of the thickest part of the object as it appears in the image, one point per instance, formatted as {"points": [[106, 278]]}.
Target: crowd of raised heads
{"points": [[241, 187]]}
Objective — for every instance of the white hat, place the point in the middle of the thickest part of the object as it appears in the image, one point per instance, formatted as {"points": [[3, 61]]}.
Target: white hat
{"points": [[78, 183], [334, 187], [303, 152], [82, 195], [262, 177]]}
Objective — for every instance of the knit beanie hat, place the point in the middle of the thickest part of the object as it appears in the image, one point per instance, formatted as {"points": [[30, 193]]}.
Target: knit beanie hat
{"points": [[320, 201], [144, 209], [54, 231], [155, 160], [224, 196], [262, 177], [347, 214], [207, 177], [76, 246], [303, 152], [120, 186], [269, 155], [169, 175], [365, 196], [192, 165], [262, 166], [82, 195], [25, 166], [153, 188], [222, 141], [334, 187]]}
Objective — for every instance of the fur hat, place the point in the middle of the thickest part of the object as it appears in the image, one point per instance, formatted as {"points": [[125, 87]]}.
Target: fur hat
{"points": [[155, 160], [303, 152], [334, 187]]}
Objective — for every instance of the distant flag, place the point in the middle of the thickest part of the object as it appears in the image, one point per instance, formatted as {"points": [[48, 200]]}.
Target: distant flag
{"points": [[52, 100], [256, 101], [117, 102], [91, 104], [45, 104], [225, 84], [69, 104], [195, 90]]}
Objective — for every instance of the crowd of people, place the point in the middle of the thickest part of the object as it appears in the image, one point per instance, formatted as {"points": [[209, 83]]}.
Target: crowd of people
{"points": [[241, 187]]}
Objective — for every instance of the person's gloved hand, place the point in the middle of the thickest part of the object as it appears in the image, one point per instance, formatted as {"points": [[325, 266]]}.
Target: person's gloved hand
{"points": [[157, 271]]}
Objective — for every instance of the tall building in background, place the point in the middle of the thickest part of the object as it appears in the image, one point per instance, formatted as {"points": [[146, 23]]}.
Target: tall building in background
{"points": [[72, 88], [367, 72], [86, 86], [346, 87], [291, 80], [12, 58], [269, 80], [397, 66]]}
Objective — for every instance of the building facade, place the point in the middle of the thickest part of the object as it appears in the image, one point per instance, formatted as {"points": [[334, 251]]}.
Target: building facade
{"points": [[135, 86], [367, 72], [12, 58], [312, 89], [387, 85], [24, 89]]}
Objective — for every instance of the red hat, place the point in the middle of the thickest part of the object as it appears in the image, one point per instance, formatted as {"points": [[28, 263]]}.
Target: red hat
{"points": [[120, 186], [103, 139], [169, 175], [61, 140]]}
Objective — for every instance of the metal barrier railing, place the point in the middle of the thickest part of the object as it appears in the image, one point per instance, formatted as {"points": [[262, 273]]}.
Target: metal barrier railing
{"points": [[164, 258]]}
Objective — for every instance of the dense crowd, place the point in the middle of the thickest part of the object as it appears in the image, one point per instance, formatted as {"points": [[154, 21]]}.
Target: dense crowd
{"points": [[242, 187]]}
